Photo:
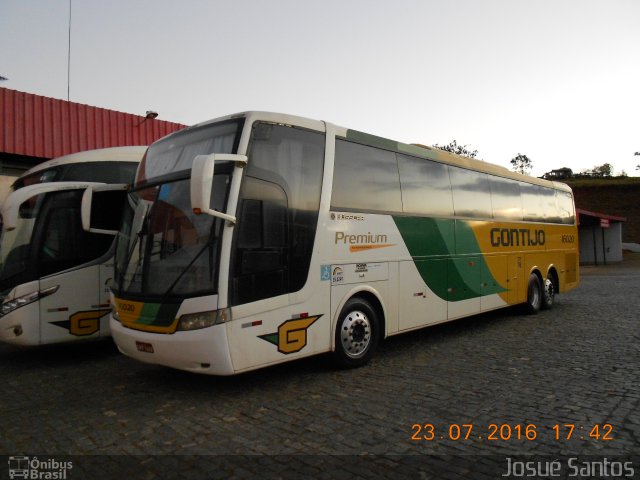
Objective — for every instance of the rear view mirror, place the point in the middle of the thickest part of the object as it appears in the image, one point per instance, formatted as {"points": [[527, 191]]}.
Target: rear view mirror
{"points": [[102, 208], [202, 182]]}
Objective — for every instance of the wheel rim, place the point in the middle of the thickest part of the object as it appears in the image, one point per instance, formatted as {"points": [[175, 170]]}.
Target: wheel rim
{"points": [[549, 291], [355, 334]]}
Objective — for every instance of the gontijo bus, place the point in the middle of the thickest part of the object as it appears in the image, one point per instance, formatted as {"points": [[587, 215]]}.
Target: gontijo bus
{"points": [[54, 273], [259, 238]]}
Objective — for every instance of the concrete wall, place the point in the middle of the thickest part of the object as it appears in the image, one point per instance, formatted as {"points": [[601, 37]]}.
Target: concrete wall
{"points": [[612, 244]]}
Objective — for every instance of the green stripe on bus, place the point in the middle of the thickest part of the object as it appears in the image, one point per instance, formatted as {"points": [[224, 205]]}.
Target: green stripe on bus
{"points": [[158, 314], [433, 245]]}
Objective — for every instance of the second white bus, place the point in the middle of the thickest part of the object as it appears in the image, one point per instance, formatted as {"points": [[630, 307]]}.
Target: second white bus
{"points": [[54, 274]]}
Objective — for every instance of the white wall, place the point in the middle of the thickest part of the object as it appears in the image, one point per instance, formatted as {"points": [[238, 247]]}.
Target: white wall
{"points": [[612, 244]]}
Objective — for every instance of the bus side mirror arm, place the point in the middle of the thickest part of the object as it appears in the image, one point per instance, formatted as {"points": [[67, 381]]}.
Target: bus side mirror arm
{"points": [[202, 182]]}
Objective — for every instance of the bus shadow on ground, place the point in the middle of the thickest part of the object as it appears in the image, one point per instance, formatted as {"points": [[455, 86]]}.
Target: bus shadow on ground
{"points": [[56, 355], [286, 375]]}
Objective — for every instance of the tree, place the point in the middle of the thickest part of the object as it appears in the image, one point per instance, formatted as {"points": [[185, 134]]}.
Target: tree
{"points": [[638, 166], [453, 147], [521, 164], [602, 171]]}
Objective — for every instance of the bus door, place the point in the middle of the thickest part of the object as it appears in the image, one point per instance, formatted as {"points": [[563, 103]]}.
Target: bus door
{"points": [[273, 281], [68, 260]]}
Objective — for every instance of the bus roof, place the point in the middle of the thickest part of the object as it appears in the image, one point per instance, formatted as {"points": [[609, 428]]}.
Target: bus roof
{"points": [[114, 154], [431, 153]]}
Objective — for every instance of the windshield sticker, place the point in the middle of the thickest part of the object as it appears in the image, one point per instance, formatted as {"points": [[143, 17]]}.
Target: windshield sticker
{"points": [[165, 191], [325, 273], [337, 276], [291, 336]]}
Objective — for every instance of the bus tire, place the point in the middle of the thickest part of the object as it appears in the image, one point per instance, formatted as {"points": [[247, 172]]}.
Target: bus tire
{"points": [[534, 294], [548, 294], [357, 333]]}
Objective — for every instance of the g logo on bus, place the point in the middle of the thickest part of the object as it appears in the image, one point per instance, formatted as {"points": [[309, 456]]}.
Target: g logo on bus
{"points": [[291, 336], [82, 324]]}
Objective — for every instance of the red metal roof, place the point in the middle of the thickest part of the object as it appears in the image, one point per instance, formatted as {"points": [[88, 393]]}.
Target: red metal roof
{"points": [[606, 216], [44, 127]]}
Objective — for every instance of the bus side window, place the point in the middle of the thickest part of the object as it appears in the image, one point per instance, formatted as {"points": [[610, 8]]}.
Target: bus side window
{"points": [[62, 242], [261, 247], [532, 205], [106, 172], [426, 188], [505, 199], [277, 212], [471, 196], [565, 207], [365, 179], [264, 227]]}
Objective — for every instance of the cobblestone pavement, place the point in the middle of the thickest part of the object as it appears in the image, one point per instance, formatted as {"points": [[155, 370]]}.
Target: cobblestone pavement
{"points": [[576, 364]]}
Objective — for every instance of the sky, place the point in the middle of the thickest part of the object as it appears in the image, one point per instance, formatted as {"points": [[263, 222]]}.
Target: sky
{"points": [[556, 80]]}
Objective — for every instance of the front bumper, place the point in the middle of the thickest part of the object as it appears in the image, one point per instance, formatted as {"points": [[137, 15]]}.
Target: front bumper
{"points": [[200, 351]]}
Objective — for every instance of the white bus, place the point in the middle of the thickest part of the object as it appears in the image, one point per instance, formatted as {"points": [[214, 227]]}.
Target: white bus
{"points": [[54, 275], [259, 238], [105, 165]]}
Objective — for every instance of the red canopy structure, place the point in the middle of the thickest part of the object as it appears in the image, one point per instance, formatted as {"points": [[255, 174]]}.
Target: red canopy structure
{"points": [[34, 128]]}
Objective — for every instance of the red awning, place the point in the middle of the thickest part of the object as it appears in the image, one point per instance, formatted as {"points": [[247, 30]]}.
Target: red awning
{"points": [[37, 126]]}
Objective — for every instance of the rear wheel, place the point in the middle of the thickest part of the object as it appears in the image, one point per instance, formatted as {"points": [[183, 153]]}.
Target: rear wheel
{"points": [[357, 333], [548, 295], [534, 294]]}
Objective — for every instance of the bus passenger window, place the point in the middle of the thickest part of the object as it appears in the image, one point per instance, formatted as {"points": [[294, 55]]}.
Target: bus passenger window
{"points": [[426, 188], [365, 179], [471, 196], [505, 199], [565, 207], [532, 202]]}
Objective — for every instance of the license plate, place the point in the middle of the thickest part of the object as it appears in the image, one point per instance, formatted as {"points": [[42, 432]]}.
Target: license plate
{"points": [[144, 347]]}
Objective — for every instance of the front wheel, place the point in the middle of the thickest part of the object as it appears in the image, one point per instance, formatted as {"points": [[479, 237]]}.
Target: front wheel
{"points": [[534, 294], [357, 333]]}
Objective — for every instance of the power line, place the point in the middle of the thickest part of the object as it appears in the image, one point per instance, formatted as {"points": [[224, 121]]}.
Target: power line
{"points": [[69, 56]]}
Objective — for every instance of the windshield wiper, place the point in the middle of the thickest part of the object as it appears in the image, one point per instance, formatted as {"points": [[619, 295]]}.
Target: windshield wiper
{"points": [[209, 244]]}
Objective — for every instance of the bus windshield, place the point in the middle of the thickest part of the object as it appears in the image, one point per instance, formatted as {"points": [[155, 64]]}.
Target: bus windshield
{"points": [[164, 249]]}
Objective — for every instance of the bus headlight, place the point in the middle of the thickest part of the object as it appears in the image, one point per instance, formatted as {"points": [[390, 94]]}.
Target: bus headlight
{"points": [[196, 321], [11, 305], [114, 312]]}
